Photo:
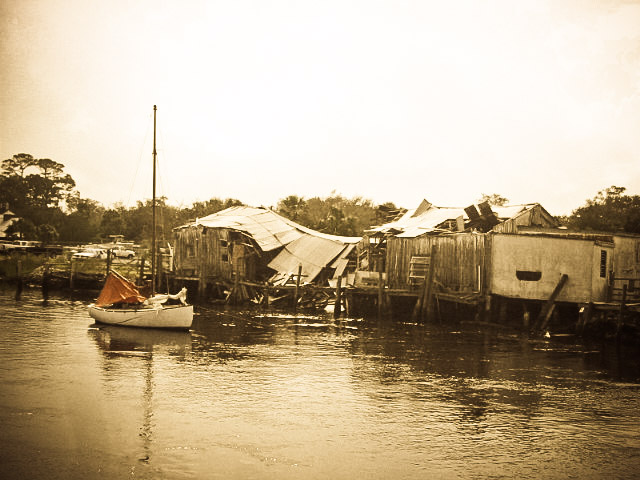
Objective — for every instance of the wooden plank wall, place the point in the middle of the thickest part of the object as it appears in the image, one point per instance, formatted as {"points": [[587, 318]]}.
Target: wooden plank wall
{"points": [[534, 217], [185, 263], [199, 253], [459, 257]]}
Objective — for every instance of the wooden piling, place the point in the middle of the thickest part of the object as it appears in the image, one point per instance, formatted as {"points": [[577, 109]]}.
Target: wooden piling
{"points": [[141, 275], [235, 296], [428, 291], [584, 318], [526, 318], [72, 263], [487, 309], [296, 294], [46, 277], [502, 311], [380, 295], [337, 309], [417, 309], [265, 300], [621, 311], [19, 284], [109, 259]]}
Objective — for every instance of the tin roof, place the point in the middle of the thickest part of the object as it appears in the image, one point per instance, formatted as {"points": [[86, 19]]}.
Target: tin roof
{"points": [[267, 228], [427, 218]]}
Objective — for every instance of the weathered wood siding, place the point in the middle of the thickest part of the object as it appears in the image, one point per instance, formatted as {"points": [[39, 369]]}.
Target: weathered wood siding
{"points": [[216, 254], [627, 256], [203, 253], [459, 259], [536, 217], [185, 255]]}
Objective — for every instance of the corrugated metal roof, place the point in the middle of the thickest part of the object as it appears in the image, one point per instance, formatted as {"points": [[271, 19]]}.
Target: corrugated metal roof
{"points": [[313, 253], [267, 228], [429, 217]]}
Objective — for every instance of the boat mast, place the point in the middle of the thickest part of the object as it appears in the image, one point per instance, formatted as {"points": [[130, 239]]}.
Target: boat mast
{"points": [[153, 211]]}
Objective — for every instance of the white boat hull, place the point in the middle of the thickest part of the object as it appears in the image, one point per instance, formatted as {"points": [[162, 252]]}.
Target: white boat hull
{"points": [[171, 316]]}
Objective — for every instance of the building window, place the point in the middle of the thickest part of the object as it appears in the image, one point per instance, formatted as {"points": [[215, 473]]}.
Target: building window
{"points": [[528, 276], [224, 250], [603, 264]]}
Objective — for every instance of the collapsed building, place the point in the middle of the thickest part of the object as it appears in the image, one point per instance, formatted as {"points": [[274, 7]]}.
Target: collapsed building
{"points": [[256, 245]]}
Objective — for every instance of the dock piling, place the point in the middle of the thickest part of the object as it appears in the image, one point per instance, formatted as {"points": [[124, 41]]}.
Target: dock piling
{"points": [[296, 294], [19, 284], [337, 308]]}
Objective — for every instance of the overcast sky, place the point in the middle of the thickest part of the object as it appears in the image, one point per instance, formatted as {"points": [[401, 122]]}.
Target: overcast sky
{"points": [[538, 101]]}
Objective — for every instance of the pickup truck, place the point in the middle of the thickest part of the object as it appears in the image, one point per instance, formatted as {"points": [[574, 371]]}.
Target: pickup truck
{"points": [[122, 252]]}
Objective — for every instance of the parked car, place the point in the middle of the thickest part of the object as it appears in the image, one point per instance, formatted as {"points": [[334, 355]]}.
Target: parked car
{"points": [[122, 252], [20, 245], [90, 253]]}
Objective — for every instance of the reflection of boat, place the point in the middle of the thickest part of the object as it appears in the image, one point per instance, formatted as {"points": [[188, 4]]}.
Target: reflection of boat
{"points": [[121, 302], [115, 339], [133, 347]]}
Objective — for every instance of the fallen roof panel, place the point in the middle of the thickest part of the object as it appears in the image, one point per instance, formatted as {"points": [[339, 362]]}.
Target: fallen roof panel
{"points": [[313, 253]]}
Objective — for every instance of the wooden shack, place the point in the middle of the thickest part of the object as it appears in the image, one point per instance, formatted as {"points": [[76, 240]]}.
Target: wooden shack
{"points": [[255, 245], [401, 248], [459, 266]]}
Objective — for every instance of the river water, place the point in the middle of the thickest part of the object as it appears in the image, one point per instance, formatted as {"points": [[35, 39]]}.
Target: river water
{"points": [[276, 396]]}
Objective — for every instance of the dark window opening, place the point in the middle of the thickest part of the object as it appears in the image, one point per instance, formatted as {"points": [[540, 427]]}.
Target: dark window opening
{"points": [[528, 276], [603, 263]]}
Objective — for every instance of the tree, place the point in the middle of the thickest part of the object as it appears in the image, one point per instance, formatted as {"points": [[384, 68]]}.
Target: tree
{"points": [[202, 209], [48, 187], [13, 190], [37, 190], [17, 164], [494, 199], [335, 214], [23, 228], [47, 233], [113, 221], [82, 223], [51, 186], [291, 207], [610, 210]]}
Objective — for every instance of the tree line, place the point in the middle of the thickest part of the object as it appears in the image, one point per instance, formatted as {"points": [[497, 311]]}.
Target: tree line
{"points": [[51, 209]]}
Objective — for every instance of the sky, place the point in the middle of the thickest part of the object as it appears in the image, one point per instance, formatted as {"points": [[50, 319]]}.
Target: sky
{"points": [[391, 101]]}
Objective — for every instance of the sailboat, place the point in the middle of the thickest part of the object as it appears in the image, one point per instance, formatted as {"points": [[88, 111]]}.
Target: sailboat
{"points": [[121, 302]]}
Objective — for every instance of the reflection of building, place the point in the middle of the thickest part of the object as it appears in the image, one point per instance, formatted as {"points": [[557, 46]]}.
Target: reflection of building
{"points": [[7, 218]]}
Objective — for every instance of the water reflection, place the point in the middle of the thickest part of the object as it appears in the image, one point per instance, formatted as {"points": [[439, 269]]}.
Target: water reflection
{"points": [[115, 342], [114, 339], [273, 395]]}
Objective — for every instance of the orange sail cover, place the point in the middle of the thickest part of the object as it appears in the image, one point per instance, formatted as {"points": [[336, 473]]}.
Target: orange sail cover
{"points": [[118, 289]]}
